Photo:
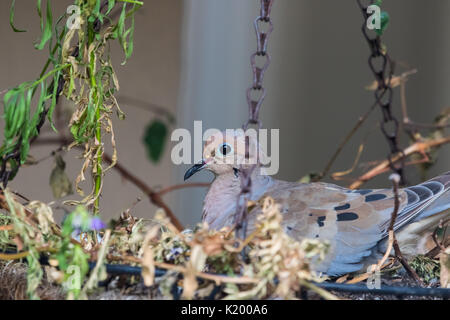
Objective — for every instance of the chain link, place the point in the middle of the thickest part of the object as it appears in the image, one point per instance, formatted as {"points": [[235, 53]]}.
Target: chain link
{"points": [[383, 71], [254, 106]]}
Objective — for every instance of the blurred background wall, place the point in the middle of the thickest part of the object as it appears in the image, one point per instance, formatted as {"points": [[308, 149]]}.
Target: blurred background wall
{"points": [[192, 58]]}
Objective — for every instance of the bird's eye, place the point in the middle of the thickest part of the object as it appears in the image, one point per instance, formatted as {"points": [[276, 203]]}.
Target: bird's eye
{"points": [[225, 149]]}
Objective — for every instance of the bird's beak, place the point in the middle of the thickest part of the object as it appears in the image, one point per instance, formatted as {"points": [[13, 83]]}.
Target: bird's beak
{"points": [[194, 169]]}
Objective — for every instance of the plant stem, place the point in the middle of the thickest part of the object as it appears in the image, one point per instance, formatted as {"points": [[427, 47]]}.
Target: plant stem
{"points": [[98, 177], [418, 147], [47, 64], [45, 76], [134, 2], [98, 134]]}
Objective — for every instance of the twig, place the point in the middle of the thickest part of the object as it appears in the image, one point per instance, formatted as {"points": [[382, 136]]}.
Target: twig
{"points": [[217, 278], [366, 275], [425, 159], [23, 254], [340, 174], [390, 244], [20, 196], [392, 241], [8, 227], [31, 218], [246, 240], [418, 147], [404, 107], [182, 186], [154, 197], [146, 106], [430, 126], [91, 282], [395, 178], [346, 139], [441, 246]]}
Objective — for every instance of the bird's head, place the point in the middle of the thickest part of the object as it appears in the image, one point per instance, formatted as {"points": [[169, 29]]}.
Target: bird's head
{"points": [[225, 152]]}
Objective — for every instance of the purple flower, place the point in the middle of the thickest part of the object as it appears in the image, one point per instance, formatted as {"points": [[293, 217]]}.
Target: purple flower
{"points": [[97, 224]]}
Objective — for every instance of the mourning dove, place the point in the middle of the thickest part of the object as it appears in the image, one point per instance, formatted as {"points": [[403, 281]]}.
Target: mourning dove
{"points": [[354, 222]]}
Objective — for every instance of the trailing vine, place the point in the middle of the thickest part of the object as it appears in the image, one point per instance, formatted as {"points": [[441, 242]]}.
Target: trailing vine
{"points": [[81, 70]]}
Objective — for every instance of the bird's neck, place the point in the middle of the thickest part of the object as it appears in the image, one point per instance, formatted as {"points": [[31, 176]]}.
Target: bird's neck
{"points": [[221, 199]]}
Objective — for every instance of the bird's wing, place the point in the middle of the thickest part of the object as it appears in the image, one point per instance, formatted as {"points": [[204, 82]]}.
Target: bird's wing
{"points": [[353, 221], [437, 201], [350, 220]]}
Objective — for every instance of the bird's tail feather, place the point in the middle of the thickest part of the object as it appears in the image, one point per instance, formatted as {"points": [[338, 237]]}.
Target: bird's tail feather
{"points": [[440, 188]]}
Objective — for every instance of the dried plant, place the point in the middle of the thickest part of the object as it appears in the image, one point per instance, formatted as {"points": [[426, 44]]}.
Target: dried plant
{"points": [[277, 266], [83, 73]]}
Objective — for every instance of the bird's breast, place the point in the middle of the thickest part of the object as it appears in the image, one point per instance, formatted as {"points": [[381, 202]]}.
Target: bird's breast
{"points": [[221, 200]]}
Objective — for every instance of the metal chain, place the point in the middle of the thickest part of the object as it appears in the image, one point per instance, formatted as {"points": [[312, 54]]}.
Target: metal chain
{"points": [[384, 93], [254, 106]]}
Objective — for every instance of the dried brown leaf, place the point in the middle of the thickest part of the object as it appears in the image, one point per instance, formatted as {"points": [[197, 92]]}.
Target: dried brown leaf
{"points": [[148, 262], [195, 265]]}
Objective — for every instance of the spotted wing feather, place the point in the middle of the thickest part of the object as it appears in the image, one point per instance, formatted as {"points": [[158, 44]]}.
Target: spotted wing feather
{"points": [[353, 221]]}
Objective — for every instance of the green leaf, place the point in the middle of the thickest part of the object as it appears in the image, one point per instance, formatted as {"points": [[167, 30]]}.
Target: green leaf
{"points": [[111, 4], [155, 139], [25, 146], [54, 98], [121, 27], [11, 18], [9, 101], [47, 30], [96, 12], [71, 83], [384, 23], [130, 34], [39, 109], [126, 36]]}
